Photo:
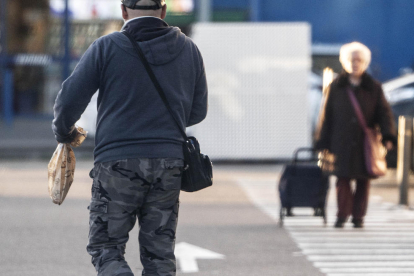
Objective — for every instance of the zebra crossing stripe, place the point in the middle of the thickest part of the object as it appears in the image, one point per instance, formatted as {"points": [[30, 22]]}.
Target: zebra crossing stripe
{"points": [[380, 222], [318, 222], [318, 229], [356, 245], [368, 269], [370, 274], [399, 239], [376, 270], [324, 258], [360, 251], [384, 247], [352, 234], [406, 264]]}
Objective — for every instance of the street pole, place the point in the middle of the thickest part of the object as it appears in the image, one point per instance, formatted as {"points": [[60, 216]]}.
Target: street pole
{"points": [[204, 11], [66, 40], [8, 96], [255, 10], [405, 141], [6, 74], [3, 30]]}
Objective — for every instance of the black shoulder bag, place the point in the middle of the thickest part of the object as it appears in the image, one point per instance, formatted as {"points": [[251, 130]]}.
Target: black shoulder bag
{"points": [[198, 171]]}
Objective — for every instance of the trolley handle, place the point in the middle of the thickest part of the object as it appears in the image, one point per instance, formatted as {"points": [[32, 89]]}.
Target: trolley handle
{"points": [[314, 157]]}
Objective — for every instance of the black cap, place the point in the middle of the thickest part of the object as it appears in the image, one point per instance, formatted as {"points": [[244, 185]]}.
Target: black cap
{"points": [[133, 5]]}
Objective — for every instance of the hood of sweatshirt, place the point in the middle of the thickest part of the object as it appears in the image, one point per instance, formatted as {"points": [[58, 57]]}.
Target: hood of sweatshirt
{"points": [[160, 43]]}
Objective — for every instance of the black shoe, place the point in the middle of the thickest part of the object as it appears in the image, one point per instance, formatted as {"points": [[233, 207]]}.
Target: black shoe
{"points": [[289, 212], [339, 223], [358, 223]]}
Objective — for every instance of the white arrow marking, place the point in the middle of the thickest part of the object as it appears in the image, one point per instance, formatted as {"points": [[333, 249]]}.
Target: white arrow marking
{"points": [[187, 255]]}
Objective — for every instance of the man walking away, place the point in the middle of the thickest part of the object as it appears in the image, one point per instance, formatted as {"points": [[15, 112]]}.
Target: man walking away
{"points": [[138, 147]]}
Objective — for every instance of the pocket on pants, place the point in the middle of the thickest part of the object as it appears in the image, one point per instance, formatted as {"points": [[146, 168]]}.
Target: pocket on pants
{"points": [[98, 205], [98, 223]]}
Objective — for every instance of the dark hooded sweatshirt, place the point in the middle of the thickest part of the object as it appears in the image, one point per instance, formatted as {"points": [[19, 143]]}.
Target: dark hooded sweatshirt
{"points": [[132, 121]]}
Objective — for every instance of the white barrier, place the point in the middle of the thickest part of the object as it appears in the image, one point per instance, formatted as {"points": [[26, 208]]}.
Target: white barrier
{"points": [[258, 84]]}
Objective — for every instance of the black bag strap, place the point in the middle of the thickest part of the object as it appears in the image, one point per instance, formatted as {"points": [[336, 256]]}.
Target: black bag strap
{"points": [[155, 81]]}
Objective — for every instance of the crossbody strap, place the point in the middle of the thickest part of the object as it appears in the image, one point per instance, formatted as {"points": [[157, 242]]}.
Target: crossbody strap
{"points": [[155, 81], [357, 109]]}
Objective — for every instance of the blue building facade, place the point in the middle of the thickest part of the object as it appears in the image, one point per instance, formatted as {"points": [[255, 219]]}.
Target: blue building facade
{"points": [[385, 26]]}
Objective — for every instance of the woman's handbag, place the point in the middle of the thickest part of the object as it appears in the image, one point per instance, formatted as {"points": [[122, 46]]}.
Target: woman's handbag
{"points": [[198, 173], [374, 151]]}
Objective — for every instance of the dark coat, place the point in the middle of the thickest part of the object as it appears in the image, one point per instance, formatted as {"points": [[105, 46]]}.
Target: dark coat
{"points": [[339, 130]]}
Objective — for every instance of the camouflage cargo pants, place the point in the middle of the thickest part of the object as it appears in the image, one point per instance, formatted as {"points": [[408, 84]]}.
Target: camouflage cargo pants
{"points": [[122, 191]]}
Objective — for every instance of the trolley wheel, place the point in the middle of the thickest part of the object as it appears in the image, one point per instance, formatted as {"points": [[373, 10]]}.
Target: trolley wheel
{"points": [[318, 212], [325, 221], [281, 216]]}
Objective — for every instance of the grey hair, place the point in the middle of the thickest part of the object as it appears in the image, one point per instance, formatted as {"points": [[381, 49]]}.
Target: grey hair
{"points": [[346, 52]]}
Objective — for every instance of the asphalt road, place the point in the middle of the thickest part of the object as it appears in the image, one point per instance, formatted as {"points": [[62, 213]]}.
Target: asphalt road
{"points": [[229, 229], [39, 238]]}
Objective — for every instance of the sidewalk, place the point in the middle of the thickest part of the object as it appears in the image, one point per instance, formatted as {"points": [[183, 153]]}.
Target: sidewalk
{"points": [[32, 138], [388, 188]]}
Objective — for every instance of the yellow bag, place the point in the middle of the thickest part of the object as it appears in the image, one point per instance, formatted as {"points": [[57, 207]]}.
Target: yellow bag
{"points": [[61, 168]]}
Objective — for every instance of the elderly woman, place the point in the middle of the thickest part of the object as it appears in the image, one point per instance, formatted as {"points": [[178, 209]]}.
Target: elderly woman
{"points": [[340, 132]]}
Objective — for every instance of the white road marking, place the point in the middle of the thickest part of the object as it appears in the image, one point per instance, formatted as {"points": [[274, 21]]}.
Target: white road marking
{"points": [[370, 274], [348, 228], [360, 251], [368, 269], [318, 222], [324, 258], [398, 239], [406, 264], [187, 255], [300, 235], [352, 234], [384, 247], [356, 245]]}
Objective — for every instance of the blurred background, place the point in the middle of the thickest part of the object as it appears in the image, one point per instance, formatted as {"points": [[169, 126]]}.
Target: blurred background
{"points": [[264, 62]]}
